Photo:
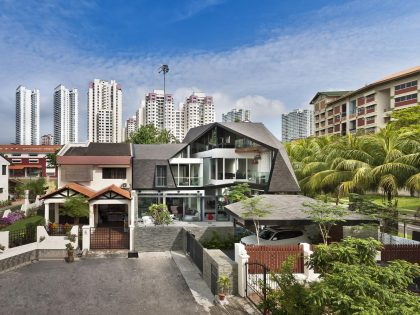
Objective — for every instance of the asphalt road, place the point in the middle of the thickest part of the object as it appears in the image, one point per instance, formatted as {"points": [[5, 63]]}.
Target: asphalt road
{"points": [[151, 284]]}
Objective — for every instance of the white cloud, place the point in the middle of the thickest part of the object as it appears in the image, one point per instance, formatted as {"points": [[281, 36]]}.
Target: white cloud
{"points": [[271, 77]]}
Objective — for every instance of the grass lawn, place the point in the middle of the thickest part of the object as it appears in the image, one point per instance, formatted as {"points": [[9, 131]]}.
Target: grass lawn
{"points": [[22, 223], [404, 203]]}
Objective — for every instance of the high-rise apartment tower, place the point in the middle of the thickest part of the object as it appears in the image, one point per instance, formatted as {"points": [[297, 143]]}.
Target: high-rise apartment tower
{"points": [[104, 111], [66, 115], [27, 116], [297, 124]]}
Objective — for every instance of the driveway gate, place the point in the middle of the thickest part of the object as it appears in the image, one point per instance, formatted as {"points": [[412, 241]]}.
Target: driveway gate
{"points": [[109, 238], [195, 250]]}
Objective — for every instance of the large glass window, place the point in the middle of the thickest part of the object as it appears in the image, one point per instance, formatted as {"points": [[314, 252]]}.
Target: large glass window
{"points": [[145, 203], [3, 169], [230, 168], [219, 169], [161, 176], [241, 170], [114, 173]]}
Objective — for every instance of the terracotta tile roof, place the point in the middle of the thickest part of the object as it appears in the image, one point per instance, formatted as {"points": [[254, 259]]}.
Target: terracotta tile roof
{"points": [[83, 190], [18, 148], [122, 192]]}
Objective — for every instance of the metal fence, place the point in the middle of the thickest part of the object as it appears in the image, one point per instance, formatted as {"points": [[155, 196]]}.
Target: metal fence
{"points": [[22, 236], [195, 250]]}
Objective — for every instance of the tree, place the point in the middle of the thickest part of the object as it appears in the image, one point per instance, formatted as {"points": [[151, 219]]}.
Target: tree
{"points": [[238, 192], [255, 211], [407, 120], [149, 134], [36, 187], [160, 214], [76, 207], [52, 159], [326, 216]]}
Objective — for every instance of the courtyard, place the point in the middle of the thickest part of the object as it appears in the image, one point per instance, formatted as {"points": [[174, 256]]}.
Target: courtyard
{"points": [[151, 284]]}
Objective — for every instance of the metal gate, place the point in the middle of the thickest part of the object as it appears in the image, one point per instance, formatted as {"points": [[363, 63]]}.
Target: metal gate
{"points": [[109, 238], [195, 250], [257, 280]]}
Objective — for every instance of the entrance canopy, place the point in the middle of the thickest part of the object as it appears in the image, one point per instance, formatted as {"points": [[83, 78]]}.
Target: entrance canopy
{"points": [[288, 210]]}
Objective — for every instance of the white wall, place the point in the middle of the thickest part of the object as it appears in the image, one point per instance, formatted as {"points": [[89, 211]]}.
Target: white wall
{"points": [[98, 182], [4, 180]]}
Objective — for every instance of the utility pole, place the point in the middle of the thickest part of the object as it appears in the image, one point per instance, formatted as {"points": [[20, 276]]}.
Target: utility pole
{"points": [[165, 70]]}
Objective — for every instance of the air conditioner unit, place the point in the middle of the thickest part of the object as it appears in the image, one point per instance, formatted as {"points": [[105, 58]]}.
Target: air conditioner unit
{"points": [[125, 186]]}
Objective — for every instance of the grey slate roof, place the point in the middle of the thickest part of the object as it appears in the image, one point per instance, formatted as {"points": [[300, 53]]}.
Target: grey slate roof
{"points": [[288, 210], [100, 149], [145, 159]]}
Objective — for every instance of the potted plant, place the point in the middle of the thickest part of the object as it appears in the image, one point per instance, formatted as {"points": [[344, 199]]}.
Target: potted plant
{"points": [[224, 286], [70, 253]]}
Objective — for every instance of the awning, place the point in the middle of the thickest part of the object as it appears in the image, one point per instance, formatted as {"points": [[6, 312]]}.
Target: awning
{"points": [[23, 166]]}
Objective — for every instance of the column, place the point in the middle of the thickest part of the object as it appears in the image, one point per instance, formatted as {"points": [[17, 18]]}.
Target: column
{"points": [[96, 214], [241, 257], [47, 212], [56, 213], [86, 237], [91, 215]]}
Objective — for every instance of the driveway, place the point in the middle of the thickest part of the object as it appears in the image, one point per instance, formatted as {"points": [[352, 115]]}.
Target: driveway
{"points": [[151, 284]]}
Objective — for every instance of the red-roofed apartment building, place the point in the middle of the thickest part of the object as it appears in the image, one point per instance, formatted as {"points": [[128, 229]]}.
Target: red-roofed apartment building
{"points": [[368, 108], [29, 160]]}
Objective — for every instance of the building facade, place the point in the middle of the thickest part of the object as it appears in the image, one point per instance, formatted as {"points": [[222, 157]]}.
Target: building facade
{"points": [[297, 124], [66, 115], [105, 111], [237, 115], [191, 178], [130, 127], [47, 139], [159, 110], [27, 116], [29, 160], [367, 109], [4, 179]]}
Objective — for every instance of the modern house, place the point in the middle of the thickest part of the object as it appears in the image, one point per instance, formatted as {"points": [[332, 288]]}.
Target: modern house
{"points": [[192, 177], [4, 179]]}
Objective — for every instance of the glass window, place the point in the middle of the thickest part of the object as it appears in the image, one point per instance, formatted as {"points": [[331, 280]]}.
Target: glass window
{"points": [[3, 169], [220, 169], [161, 180], [114, 173]]}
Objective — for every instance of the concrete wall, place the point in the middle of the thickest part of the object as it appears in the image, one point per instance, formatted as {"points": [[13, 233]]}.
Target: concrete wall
{"points": [[223, 264]]}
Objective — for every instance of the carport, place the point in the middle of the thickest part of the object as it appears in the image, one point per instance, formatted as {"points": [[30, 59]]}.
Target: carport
{"points": [[288, 211]]}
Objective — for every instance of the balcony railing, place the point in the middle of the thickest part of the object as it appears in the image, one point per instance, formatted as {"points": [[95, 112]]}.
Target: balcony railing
{"points": [[189, 181], [258, 177]]}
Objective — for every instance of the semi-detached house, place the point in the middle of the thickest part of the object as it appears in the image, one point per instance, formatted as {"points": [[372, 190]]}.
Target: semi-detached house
{"points": [[121, 181]]}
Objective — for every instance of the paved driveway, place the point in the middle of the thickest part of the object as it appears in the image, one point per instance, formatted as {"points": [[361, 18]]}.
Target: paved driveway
{"points": [[151, 284]]}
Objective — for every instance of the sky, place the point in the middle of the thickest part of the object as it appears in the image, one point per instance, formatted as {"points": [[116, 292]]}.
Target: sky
{"points": [[269, 56]]}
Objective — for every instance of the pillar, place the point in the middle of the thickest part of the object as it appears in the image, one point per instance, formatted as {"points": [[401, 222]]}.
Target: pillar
{"points": [[86, 237], [96, 214], [131, 230], [56, 213], [47, 212], [307, 271], [241, 257], [91, 215]]}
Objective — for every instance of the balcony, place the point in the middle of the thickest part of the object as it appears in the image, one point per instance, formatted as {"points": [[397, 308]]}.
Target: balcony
{"points": [[258, 177], [188, 181]]}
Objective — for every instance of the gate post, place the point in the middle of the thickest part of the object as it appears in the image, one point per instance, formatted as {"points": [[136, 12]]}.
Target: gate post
{"points": [[86, 237], [131, 238], [241, 257]]}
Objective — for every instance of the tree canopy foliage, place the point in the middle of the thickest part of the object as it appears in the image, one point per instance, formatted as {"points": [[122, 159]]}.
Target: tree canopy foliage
{"points": [[160, 214], [350, 283], [75, 207], [338, 165], [149, 134], [238, 192]]}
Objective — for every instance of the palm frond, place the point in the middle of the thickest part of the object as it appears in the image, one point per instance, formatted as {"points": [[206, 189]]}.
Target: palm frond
{"points": [[413, 183], [350, 165]]}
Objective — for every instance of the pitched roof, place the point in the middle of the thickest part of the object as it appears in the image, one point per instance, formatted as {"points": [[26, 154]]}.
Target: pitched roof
{"points": [[83, 190], [329, 93], [122, 192], [289, 210], [157, 151], [283, 178], [100, 149]]}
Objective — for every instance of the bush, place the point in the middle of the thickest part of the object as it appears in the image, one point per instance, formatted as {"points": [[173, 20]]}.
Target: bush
{"points": [[160, 214], [12, 218], [216, 241]]}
